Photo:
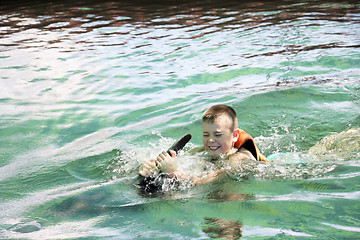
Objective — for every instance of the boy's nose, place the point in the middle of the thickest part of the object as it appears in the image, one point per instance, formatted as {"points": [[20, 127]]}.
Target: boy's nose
{"points": [[211, 140]]}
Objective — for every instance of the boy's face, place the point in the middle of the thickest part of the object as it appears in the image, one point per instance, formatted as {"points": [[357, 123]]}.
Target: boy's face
{"points": [[218, 137]]}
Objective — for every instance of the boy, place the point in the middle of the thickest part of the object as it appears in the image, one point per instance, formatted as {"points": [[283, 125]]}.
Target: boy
{"points": [[227, 145]]}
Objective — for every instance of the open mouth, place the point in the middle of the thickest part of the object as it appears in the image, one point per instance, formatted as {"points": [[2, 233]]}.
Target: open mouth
{"points": [[213, 148]]}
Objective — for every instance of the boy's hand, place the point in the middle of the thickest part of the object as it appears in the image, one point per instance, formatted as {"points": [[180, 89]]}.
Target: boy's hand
{"points": [[167, 163], [150, 169], [164, 163]]}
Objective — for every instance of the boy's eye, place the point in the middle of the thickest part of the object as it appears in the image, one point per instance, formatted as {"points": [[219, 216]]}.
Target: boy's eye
{"points": [[218, 134], [205, 134]]}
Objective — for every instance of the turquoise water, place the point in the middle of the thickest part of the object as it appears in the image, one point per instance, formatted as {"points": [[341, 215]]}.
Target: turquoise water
{"points": [[90, 90]]}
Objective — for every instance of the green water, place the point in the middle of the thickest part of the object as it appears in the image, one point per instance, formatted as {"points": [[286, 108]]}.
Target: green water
{"points": [[90, 90]]}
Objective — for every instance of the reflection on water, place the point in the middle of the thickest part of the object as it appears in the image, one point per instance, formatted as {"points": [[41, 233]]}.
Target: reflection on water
{"points": [[150, 42], [222, 229]]}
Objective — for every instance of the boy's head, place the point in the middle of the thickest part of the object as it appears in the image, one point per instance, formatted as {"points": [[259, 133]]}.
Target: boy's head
{"points": [[215, 112], [219, 125]]}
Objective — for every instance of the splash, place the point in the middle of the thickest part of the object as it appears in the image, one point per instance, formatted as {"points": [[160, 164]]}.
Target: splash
{"points": [[130, 158], [321, 159]]}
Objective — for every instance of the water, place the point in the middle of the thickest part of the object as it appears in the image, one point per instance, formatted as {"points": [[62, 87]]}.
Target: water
{"points": [[90, 90]]}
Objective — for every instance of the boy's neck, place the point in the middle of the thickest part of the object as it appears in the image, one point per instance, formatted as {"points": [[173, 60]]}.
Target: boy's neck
{"points": [[222, 157]]}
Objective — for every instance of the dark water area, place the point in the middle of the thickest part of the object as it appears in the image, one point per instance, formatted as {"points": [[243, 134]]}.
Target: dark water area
{"points": [[90, 90]]}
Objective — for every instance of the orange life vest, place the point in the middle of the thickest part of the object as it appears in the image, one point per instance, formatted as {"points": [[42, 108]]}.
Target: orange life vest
{"points": [[247, 142]]}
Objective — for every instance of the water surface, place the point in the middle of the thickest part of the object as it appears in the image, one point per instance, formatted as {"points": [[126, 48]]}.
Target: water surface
{"points": [[90, 90]]}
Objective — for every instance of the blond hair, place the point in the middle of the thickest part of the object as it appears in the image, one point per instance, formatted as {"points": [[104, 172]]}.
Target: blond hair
{"points": [[217, 111]]}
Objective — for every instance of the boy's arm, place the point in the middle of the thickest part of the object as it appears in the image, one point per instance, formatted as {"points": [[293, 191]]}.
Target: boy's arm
{"points": [[235, 160], [167, 164], [210, 177]]}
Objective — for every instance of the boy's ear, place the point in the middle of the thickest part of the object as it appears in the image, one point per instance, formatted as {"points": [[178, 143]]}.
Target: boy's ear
{"points": [[236, 134]]}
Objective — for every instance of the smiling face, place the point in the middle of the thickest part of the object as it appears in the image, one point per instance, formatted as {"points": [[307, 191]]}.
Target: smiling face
{"points": [[218, 136]]}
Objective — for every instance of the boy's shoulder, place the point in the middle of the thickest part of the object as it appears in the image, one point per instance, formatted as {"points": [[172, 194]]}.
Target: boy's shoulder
{"points": [[197, 149], [242, 154]]}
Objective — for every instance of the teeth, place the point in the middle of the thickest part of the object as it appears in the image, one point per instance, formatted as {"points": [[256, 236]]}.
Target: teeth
{"points": [[213, 148]]}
